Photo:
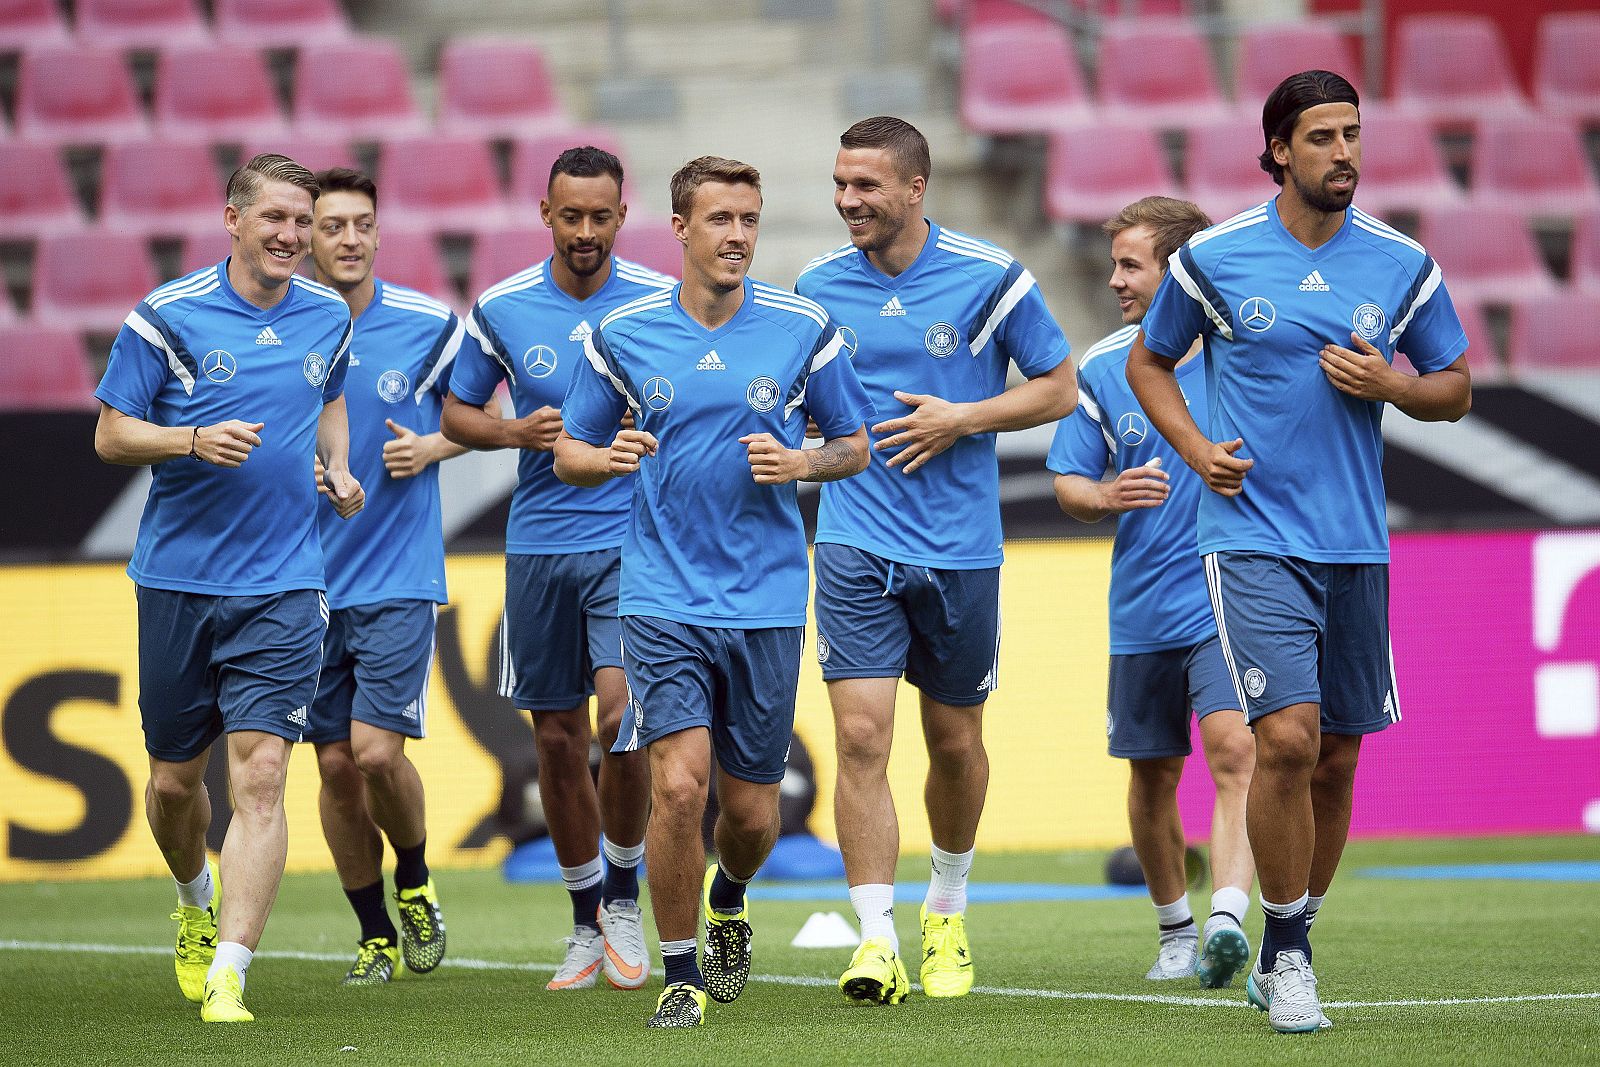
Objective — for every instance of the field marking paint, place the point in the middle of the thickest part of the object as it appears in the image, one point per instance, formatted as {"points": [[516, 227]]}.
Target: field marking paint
{"points": [[806, 980]]}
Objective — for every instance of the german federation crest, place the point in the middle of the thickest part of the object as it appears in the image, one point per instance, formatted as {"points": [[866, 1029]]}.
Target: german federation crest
{"points": [[393, 386], [941, 339], [1368, 321], [316, 368], [762, 394]]}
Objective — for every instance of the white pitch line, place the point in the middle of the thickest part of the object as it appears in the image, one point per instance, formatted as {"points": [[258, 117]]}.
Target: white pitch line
{"points": [[806, 980]]}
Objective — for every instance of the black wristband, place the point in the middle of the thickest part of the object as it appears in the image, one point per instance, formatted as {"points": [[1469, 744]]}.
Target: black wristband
{"points": [[194, 440]]}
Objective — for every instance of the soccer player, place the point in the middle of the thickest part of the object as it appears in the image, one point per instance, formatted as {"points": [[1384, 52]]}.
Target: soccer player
{"points": [[1302, 303], [561, 641], [228, 382], [1165, 656], [908, 555], [385, 581], [721, 375]]}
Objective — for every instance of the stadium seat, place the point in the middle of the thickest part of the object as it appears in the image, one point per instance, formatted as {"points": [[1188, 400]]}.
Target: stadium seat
{"points": [[280, 23], [1021, 79], [204, 249], [496, 88], [1483, 359], [532, 157], [1566, 66], [165, 188], [1556, 332], [314, 153], [1221, 171], [441, 183], [90, 279], [1157, 71], [1093, 172], [1586, 252], [141, 24], [1402, 168], [78, 94], [976, 13], [1453, 70], [45, 369], [499, 253], [216, 92], [648, 240], [410, 258], [1535, 164], [1270, 53], [36, 195], [1486, 252], [31, 24], [8, 313], [356, 88]]}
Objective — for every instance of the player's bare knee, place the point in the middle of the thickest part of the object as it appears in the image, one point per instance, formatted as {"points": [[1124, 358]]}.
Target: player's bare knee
{"points": [[956, 751], [1336, 763], [378, 761], [679, 791], [563, 741], [862, 745], [172, 791], [341, 778], [1231, 760], [1152, 780], [750, 821]]}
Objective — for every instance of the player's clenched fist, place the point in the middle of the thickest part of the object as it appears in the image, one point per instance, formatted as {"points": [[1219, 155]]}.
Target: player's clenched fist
{"points": [[770, 462], [407, 455], [1136, 487], [628, 449], [538, 430], [227, 444], [1221, 470], [330, 483]]}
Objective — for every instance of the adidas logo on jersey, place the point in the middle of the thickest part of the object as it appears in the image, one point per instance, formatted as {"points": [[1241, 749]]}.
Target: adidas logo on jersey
{"points": [[1313, 283], [267, 337], [580, 332], [892, 309], [711, 361]]}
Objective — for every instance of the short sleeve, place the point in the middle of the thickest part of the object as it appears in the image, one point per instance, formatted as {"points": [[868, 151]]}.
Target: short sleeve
{"points": [[479, 366], [145, 352], [1430, 332], [338, 366], [1017, 318], [1179, 311], [434, 375], [833, 395], [1079, 445], [596, 399]]}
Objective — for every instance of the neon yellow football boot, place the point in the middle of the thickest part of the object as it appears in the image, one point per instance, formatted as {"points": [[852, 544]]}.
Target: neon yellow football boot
{"points": [[224, 999], [946, 956], [197, 941], [875, 974]]}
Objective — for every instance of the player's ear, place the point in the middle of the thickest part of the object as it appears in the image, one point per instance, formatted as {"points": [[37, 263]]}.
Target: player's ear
{"points": [[919, 188], [544, 210], [1280, 152], [230, 220], [622, 215], [680, 228]]}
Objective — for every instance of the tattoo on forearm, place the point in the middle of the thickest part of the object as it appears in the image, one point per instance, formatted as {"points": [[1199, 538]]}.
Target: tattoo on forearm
{"points": [[833, 460]]}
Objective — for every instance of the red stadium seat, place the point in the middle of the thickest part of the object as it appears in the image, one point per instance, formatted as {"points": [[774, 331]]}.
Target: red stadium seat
{"points": [[1221, 171], [1020, 79], [410, 258], [1157, 71], [1586, 252], [649, 241], [90, 279], [532, 157], [141, 23], [36, 196], [1401, 166], [1093, 172], [1566, 66], [204, 250], [217, 92], [1453, 70], [313, 153], [31, 24], [976, 13], [280, 23], [440, 184], [500, 253], [1556, 332], [45, 369], [356, 88], [1486, 252], [81, 94], [1534, 164], [165, 188], [1270, 53], [496, 88]]}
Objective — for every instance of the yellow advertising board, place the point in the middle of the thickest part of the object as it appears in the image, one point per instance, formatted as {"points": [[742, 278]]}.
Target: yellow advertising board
{"points": [[73, 766]]}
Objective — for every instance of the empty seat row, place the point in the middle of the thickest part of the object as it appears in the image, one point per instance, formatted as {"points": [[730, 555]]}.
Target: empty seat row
{"points": [[161, 23]]}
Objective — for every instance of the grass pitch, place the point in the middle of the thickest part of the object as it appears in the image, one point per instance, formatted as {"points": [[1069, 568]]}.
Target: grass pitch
{"points": [[1409, 973]]}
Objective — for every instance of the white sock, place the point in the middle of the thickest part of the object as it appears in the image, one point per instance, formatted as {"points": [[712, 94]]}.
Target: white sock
{"points": [[874, 904], [1176, 919], [1313, 905], [197, 894], [947, 889], [1231, 901], [231, 954], [621, 855], [584, 876]]}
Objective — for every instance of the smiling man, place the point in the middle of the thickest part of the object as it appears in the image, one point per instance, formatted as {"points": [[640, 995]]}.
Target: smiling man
{"points": [[229, 382], [1302, 303]]}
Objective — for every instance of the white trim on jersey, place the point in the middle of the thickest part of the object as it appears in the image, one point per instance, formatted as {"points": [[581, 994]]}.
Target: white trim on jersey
{"points": [[592, 354], [1091, 409], [182, 289], [1383, 229], [523, 279], [1181, 276], [412, 300], [1213, 567], [643, 275], [325, 291], [984, 248], [203, 274], [798, 305], [139, 325], [447, 356], [648, 302], [1109, 343], [1429, 287], [826, 257], [1019, 289], [1245, 219], [999, 259]]}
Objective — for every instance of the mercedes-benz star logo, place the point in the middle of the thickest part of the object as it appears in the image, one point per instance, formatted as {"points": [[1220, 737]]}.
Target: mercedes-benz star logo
{"points": [[1258, 314], [658, 393], [1132, 428], [219, 365], [539, 361]]}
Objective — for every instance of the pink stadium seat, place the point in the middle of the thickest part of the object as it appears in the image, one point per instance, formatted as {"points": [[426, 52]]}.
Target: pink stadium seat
{"points": [[410, 258], [78, 94], [314, 153], [1556, 332], [31, 24], [1566, 66], [1157, 71], [496, 88], [35, 194], [280, 23], [975, 13], [1535, 164], [204, 249], [441, 184], [45, 369], [1270, 53], [1401, 166], [1222, 173], [1586, 252], [1093, 172], [161, 188], [532, 157], [1020, 79], [1486, 252], [499, 253], [356, 88], [217, 92], [649, 241], [1453, 70], [90, 279], [141, 23], [1483, 360], [8, 313]]}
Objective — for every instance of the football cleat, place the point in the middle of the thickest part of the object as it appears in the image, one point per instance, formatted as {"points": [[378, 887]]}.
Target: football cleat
{"points": [[1262, 991], [875, 974], [1226, 951], [627, 962], [584, 949], [376, 959], [679, 1007], [1176, 959], [197, 941], [223, 1001], [421, 927], [946, 956], [726, 964]]}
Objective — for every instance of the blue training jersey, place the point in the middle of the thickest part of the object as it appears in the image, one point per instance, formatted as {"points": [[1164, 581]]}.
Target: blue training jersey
{"points": [[195, 352], [706, 544], [527, 331], [393, 548], [1158, 592], [947, 326], [1266, 305]]}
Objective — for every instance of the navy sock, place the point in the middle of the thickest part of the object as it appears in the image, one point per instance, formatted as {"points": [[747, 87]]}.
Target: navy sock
{"points": [[726, 894], [410, 869], [372, 912], [621, 883], [683, 967], [1284, 933], [585, 903]]}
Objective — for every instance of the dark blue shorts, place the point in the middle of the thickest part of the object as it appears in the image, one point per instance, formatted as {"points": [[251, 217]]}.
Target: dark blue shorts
{"points": [[1297, 632], [560, 627], [376, 661], [880, 619], [210, 665], [1151, 694], [739, 684]]}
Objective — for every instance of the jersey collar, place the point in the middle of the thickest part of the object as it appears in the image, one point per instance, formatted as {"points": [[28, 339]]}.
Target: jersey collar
{"points": [[573, 302], [272, 312], [1293, 242], [694, 326], [916, 264]]}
